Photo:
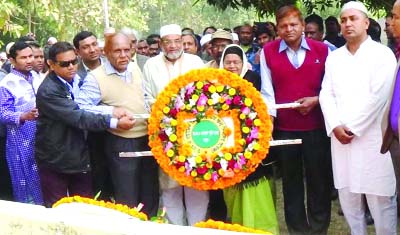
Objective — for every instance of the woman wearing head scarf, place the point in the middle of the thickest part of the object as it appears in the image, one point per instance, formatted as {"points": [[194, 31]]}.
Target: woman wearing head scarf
{"points": [[250, 202]]}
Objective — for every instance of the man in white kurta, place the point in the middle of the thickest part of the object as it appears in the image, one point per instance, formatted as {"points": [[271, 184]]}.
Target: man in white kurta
{"points": [[182, 203], [354, 91]]}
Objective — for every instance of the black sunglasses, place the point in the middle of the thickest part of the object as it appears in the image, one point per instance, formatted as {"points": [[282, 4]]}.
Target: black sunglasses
{"points": [[65, 64]]}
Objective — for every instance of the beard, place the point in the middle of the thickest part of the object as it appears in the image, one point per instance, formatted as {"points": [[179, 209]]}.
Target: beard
{"points": [[174, 55]]}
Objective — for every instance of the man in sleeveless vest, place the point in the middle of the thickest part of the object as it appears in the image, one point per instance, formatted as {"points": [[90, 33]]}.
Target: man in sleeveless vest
{"points": [[292, 69], [114, 85]]}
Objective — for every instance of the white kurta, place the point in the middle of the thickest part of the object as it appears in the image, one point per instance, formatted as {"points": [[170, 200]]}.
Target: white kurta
{"points": [[158, 72], [354, 91]]}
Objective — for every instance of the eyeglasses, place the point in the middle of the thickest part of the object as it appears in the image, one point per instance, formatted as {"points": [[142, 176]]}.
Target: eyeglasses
{"points": [[65, 64], [170, 42]]}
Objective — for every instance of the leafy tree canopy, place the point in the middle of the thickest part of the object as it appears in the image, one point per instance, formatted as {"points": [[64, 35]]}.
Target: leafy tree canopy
{"points": [[268, 7]]}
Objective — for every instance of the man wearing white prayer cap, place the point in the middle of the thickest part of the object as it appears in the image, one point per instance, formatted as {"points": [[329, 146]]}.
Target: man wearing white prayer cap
{"points": [[185, 206], [354, 93]]}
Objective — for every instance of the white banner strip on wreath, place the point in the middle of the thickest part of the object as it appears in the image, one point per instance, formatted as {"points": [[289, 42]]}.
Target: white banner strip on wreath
{"points": [[149, 153]]}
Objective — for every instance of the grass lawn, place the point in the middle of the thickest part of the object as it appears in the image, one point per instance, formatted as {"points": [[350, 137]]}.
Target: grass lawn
{"points": [[338, 225]]}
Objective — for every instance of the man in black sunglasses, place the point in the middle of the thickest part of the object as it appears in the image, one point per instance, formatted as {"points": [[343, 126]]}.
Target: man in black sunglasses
{"points": [[61, 149]]}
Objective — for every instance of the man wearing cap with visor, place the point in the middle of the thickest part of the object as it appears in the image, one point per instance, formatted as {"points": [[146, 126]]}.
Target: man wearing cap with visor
{"points": [[354, 91], [182, 203], [219, 40]]}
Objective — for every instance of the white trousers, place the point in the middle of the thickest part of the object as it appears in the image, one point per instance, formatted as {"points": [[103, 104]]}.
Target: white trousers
{"points": [[383, 210], [196, 203]]}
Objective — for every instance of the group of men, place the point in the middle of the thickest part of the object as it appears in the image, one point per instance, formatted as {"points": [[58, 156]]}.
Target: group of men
{"points": [[65, 136]]}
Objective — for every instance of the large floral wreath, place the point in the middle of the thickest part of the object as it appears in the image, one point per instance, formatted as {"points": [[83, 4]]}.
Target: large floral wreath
{"points": [[209, 129]]}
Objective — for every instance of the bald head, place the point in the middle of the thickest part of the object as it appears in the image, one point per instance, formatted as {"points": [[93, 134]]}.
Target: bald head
{"points": [[395, 22], [118, 51]]}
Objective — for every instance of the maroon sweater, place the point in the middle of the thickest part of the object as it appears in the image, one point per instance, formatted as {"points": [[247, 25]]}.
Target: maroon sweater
{"points": [[291, 84]]}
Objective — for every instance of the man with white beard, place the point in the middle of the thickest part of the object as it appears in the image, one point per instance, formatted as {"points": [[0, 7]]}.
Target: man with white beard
{"points": [[158, 72]]}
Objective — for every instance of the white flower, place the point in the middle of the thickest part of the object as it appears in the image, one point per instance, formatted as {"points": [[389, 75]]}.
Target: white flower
{"points": [[252, 115], [168, 131], [215, 98], [224, 164], [192, 161]]}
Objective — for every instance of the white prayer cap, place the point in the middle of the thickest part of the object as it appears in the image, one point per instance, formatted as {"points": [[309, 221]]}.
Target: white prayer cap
{"points": [[171, 29], [51, 40], [354, 5], [235, 36], [205, 39], [8, 47]]}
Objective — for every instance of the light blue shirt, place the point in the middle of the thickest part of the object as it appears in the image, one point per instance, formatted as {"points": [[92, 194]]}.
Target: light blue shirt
{"points": [[267, 90], [74, 89]]}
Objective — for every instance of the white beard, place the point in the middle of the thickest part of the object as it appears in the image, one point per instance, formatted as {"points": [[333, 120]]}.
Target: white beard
{"points": [[174, 55]]}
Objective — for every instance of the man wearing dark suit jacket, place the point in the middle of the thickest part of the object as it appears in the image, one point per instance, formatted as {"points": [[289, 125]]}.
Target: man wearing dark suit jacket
{"points": [[61, 150], [390, 121]]}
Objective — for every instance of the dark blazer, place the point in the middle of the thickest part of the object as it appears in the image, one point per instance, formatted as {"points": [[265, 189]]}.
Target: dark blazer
{"points": [[390, 141], [60, 139]]}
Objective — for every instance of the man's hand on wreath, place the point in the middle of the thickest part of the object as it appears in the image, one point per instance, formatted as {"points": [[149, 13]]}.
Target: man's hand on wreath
{"points": [[307, 104]]}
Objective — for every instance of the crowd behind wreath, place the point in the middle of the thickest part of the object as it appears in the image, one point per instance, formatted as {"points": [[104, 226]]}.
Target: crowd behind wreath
{"points": [[68, 109]]}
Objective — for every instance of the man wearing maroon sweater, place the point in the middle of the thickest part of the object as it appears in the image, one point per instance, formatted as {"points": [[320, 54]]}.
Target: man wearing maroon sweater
{"points": [[292, 69]]}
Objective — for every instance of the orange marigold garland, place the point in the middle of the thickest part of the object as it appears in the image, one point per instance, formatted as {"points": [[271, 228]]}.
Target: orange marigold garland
{"points": [[229, 227], [212, 95], [134, 212]]}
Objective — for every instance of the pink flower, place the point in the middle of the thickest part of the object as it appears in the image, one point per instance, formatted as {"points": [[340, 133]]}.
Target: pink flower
{"points": [[206, 86], [168, 146], [179, 103], [242, 160], [237, 100], [228, 101], [173, 112], [238, 166], [214, 176], [162, 136], [245, 110], [216, 165], [188, 168], [201, 170], [202, 100], [249, 139], [254, 133], [231, 164], [249, 122], [189, 89]]}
